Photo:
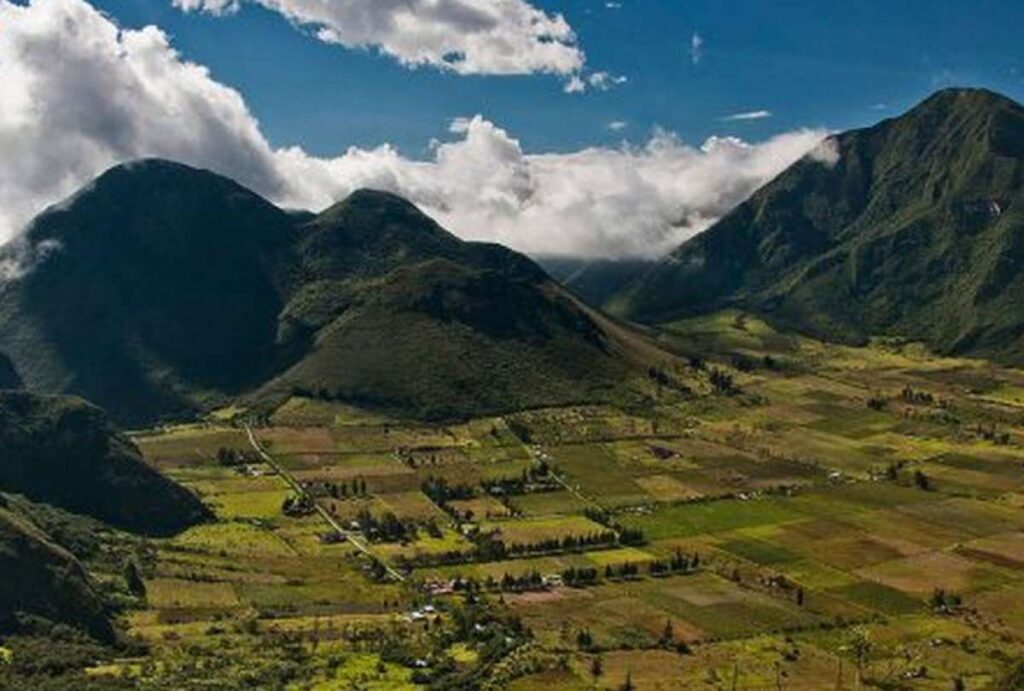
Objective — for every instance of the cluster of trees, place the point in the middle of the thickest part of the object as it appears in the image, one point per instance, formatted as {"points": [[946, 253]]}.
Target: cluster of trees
{"points": [[990, 433], [578, 578], [722, 382], [913, 397], [661, 377], [489, 547], [749, 364], [409, 458], [440, 492], [389, 528], [892, 471], [521, 430], [945, 602], [583, 577], [878, 402], [448, 558], [921, 479], [538, 478], [344, 490], [627, 536], [679, 563], [529, 581], [298, 506], [569, 543], [232, 458], [625, 570]]}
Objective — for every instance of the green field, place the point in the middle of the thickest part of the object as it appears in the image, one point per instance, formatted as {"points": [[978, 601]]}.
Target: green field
{"points": [[798, 511]]}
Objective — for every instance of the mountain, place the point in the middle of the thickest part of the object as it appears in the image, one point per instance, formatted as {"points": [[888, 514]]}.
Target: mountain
{"points": [[63, 451], [160, 290], [159, 284], [44, 580], [9, 378], [911, 228], [595, 281]]}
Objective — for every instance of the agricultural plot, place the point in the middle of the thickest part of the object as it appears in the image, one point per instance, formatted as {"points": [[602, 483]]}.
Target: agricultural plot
{"points": [[728, 541]]}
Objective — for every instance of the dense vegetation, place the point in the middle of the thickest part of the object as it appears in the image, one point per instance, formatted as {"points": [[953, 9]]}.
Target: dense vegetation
{"points": [[64, 452], [43, 580], [179, 290], [8, 376], [914, 230]]}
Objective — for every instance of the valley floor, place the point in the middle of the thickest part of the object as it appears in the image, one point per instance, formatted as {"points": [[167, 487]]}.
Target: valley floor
{"points": [[829, 518]]}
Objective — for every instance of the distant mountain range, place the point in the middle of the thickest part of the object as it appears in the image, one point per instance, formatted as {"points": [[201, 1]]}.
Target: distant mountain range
{"points": [[160, 290], [911, 228]]}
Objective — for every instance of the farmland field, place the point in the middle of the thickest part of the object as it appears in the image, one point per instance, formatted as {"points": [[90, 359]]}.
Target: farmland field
{"points": [[748, 540]]}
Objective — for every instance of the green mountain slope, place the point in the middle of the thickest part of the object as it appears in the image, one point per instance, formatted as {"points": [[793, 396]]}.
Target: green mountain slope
{"points": [[160, 283], [916, 230], [63, 451], [595, 281], [44, 580], [401, 314], [165, 290], [9, 378]]}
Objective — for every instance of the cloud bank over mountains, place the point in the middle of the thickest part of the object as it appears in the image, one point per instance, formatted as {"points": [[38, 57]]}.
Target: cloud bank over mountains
{"points": [[79, 94]]}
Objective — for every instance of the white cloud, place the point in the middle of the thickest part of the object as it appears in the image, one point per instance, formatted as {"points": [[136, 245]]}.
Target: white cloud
{"points": [[19, 257], [826, 152], [464, 36], [696, 48], [603, 81], [78, 94], [751, 115], [617, 125], [575, 85]]}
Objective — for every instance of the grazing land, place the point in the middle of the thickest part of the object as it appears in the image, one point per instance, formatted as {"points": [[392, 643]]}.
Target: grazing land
{"points": [[821, 517]]}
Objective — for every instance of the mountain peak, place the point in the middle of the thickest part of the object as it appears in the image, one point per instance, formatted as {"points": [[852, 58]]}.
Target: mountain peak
{"points": [[155, 173], [175, 290], [915, 231], [368, 206], [966, 97]]}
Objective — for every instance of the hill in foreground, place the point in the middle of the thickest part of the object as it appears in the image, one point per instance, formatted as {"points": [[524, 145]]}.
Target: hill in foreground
{"points": [[911, 228], [9, 378], [161, 290], [63, 451], [41, 579]]}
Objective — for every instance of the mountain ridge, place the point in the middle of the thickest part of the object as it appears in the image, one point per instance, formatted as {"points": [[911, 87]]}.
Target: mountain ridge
{"points": [[168, 290], [911, 233]]}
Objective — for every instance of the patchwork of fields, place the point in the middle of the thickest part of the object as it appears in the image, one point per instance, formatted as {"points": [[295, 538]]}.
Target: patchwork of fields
{"points": [[838, 517]]}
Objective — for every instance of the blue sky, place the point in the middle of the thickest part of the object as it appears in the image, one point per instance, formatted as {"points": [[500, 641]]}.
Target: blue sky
{"points": [[286, 102], [810, 63]]}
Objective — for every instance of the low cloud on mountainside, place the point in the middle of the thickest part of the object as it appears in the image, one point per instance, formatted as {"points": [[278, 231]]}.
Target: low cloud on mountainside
{"points": [[78, 94]]}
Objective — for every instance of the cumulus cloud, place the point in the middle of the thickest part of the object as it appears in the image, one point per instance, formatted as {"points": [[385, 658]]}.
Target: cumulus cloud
{"points": [[78, 94], [464, 36]]}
